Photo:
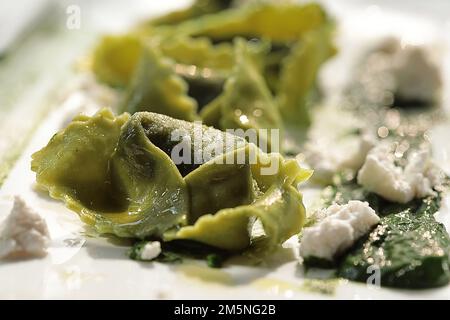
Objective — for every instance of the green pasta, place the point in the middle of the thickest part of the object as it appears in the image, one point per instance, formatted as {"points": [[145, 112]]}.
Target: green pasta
{"points": [[204, 59], [122, 176]]}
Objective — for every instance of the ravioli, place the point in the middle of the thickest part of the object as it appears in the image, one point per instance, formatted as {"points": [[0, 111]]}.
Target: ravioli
{"points": [[124, 176], [194, 64], [275, 207], [298, 75], [199, 52], [156, 87], [114, 59], [300, 43], [246, 102], [117, 182], [197, 9], [259, 20]]}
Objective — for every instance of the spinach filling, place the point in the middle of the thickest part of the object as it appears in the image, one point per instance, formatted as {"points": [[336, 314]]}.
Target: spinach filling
{"points": [[203, 89], [409, 247]]}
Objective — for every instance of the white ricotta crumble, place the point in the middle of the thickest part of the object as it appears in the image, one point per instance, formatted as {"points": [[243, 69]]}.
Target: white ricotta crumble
{"points": [[327, 158], [340, 228], [24, 233], [416, 76], [151, 250], [319, 158], [355, 160], [395, 71], [422, 173], [388, 45], [380, 175]]}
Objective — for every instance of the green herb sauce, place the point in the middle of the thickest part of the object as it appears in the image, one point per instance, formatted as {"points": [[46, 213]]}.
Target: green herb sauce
{"points": [[409, 247]]}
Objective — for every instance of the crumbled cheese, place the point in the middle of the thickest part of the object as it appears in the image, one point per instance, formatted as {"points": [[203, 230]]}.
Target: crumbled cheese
{"points": [[408, 71], [151, 250], [380, 175], [388, 45], [355, 160], [422, 174], [24, 233], [340, 228], [326, 158], [318, 157], [416, 77]]}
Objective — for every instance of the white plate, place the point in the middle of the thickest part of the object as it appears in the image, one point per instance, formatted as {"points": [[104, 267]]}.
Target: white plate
{"points": [[80, 267]]}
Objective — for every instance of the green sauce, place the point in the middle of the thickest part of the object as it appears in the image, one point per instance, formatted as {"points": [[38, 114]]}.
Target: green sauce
{"points": [[409, 248]]}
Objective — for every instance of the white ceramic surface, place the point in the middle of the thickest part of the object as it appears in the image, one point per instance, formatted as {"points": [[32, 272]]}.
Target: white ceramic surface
{"points": [[82, 267]]}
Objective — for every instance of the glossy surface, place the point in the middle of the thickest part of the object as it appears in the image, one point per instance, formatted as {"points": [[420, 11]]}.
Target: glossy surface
{"points": [[409, 248], [206, 62], [122, 176], [81, 267]]}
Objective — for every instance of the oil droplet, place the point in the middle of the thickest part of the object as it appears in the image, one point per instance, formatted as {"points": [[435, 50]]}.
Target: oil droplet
{"points": [[322, 286], [401, 149], [287, 289], [191, 70], [243, 119], [274, 286], [392, 119], [206, 72], [257, 112], [383, 132], [206, 274]]}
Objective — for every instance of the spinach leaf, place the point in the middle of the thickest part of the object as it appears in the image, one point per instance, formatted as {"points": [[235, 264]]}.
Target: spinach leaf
{"points": [[409, 248]]}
